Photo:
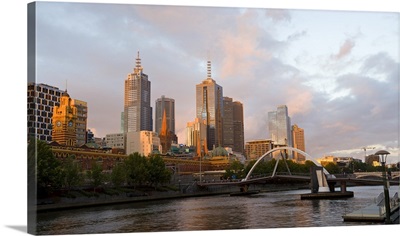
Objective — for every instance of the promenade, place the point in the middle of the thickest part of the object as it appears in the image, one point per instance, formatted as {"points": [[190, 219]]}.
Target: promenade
{"points": [[58, 204]]}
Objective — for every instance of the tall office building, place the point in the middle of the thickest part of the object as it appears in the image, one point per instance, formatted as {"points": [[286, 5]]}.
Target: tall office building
{"points": [[233, 127], [228, 133], [167, 105], [41, 100], [238, 127], [137, 109], [209, 107], [81, 121], [279, 126], [299, 143]]}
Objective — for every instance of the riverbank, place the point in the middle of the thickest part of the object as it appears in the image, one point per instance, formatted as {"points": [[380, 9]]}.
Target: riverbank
{"points": [[65, 203]]}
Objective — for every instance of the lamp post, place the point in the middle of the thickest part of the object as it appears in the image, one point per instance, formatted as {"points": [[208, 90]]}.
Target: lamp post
{"points": [[382, 158]]}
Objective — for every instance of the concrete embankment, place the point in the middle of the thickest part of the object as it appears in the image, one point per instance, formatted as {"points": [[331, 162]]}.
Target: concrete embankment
{"points": [[113, 201], [82, 202]]}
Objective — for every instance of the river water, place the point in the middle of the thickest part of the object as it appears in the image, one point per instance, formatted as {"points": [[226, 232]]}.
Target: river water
{"points": [[260, 211]]}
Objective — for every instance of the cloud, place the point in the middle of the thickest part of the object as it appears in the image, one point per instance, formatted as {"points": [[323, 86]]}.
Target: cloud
{"points": [[344, 50], [278, 15], [342, 102], [296, 35]]}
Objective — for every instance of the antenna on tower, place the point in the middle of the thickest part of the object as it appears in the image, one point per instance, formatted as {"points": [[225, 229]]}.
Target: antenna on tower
{"points": [[138, 62], [208, 69], [208, 65], [66, 85]]}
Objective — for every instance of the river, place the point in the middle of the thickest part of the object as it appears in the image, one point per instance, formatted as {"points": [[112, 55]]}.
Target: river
{"points": [[265, 210]]}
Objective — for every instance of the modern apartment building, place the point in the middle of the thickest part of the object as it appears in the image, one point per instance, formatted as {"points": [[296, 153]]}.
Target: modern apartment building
{"points": [[41, 100], [257, 148]]}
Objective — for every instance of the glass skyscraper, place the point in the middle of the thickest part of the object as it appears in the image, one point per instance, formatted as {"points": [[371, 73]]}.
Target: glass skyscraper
{"points": [[280, 127], [137, 109], [209, 107]]}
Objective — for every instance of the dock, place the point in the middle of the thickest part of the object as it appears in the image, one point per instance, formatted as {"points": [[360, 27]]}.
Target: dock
{"points": [[371, 213], [375, 212], [327, 195]]}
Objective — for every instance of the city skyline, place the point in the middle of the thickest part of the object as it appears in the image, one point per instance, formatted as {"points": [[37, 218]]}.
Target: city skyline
{"points": [[339, 82]]}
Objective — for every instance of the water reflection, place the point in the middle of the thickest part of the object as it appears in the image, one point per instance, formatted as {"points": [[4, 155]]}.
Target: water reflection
{"points": [[261, 211]]}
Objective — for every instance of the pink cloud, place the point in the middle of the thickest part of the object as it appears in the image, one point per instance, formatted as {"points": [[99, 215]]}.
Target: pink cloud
{"points": [[344, 50], [300, 101], [241, 48]]}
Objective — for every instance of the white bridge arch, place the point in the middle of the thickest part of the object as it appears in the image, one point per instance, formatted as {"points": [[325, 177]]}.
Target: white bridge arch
{"points": [[279, 149]]}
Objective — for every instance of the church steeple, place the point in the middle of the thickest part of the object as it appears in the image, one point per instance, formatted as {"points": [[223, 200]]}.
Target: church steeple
{"points": [[165, 136], [164, 127]]}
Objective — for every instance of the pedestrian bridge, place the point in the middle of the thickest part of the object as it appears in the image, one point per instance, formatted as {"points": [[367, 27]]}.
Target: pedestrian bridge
{"points": [[321, 180]]}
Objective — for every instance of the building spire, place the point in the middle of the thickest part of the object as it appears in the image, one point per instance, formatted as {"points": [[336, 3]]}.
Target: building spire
{"points": [[138, 69], [138, 62], [208, 69]]}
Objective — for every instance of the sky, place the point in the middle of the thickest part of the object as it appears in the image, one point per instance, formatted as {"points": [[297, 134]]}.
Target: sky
{"points": [[337, 71], [324, 53]]}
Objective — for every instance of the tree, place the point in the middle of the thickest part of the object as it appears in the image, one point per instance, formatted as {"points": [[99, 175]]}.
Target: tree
{"points": [[136, 169], [118, 175], [43, 165], [158, 174], [263, 167], [332, 168], [96, 175], [72, 173], [235, 170]]}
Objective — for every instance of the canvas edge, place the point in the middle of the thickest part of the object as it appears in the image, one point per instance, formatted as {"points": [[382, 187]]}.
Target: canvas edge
{"points": [[31, 154]]}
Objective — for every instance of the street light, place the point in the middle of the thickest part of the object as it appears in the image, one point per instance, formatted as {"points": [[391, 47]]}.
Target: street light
{"points": [[382, 159]]}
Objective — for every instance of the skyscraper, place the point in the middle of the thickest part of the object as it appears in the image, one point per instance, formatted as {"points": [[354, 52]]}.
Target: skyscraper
{"points": [[238, 127], [299, 143], [137, 109], [233, 127], [167, 105], [228, 132], [209, 107], [279, 126]]}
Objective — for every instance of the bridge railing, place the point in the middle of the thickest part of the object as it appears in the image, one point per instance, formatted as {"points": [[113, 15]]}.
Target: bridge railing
{"points": [[395, 200], [255, 176], [380, 200]]}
